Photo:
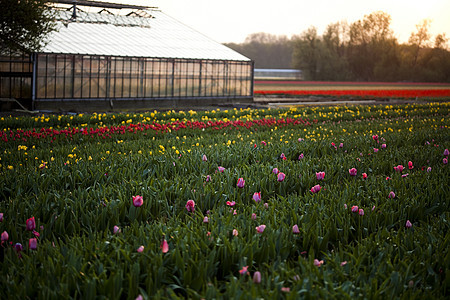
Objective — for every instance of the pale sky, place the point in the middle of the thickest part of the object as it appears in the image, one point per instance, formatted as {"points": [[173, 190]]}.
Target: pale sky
{"points": [[234, 20]]}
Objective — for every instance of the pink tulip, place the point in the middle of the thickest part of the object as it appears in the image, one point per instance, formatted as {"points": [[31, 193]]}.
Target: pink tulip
{"points": [[263, 143], [266, 205], [375, 150], [204, 158], [408, 224], [410, 165], [240, 183], [221, 169], [383, 146], [5, 236], [139, 297], [300, 139], [391, 195], [36, 234], [281, 176], [318, 263], [354, 208], [208, 178], [18, 247], [388, 178], [205, 219], [316, 188], [243, 271], [257, 277], [32, 244], [282, 156], [295, 229], [31, 224], [257, 197], [138, 201], [231, 203], [361, 212], [235, 232], [190, 206], [405, 175], [275, 171], [253, 216], [446, 152], [260, 228], [300, 156], [352, 171], [399, 168], [429, 169], [164, 246], [1, 217], [116, 229], [320, 175], [445, 161], [285, 289], [345, 205], [341, 145], [343, 263], [140, 249], [364, 175]]}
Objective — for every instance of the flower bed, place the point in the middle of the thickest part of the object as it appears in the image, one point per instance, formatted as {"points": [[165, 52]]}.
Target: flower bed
{"points": [[345, 202]]}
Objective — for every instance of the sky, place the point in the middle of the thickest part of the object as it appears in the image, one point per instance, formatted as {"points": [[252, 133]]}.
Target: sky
{"points": [[233, 20]]}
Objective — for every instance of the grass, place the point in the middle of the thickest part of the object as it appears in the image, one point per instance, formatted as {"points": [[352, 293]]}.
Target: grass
{"points": [[76, 175]]}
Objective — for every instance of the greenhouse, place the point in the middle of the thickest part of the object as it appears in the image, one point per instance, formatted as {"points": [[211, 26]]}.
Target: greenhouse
{"points": [[144, 59]]}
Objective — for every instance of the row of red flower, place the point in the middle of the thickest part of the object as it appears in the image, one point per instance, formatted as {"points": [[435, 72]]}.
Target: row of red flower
{"points": [[400, 93], [107, 131]]}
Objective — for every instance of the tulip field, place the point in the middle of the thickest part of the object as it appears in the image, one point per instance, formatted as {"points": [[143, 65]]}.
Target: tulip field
{"points": [[357, 90], [343, 202]]}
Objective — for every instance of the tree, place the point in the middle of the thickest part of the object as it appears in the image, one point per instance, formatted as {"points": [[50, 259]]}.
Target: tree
{"points": [[371, 42], [307, 50], [419, 39], [24, 24]]}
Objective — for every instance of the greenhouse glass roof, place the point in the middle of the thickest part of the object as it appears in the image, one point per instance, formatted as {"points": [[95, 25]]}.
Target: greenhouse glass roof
{"points": [[154, 34]]}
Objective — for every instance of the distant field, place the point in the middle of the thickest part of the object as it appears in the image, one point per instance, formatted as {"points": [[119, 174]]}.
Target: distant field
{"points": [[352, 89]]}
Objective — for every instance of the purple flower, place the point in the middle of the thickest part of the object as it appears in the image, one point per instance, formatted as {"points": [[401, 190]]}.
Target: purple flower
{"points": [[32, 244], [190, 206], [391, 195], [281, 176], [257, 197], [445, 161], [138, 201], [257, 277], [300, 156], [240, 183], [318, 263], [354, 208], [399, 168], [208, 178], [341, 145], [204, 158], [116, 229], [446, 152], [275, 171], [140, 249], [31, 224], [361, 212], [221, 169], [408, 224], [320, 175], [1, 217], [5, 236], [18, 247], [429, 169], [253, 216], [205, 219], [383, 146], [315, 189], [352, 171], [375, 150], [295, 229], [260, 228]]}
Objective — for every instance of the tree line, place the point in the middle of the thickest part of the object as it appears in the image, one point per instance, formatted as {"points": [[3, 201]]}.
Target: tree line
{"points": [[365, 50]]}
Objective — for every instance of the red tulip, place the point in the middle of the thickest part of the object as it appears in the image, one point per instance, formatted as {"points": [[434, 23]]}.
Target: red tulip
{"points": [[31, 224], [164, 246], [240, 183]]}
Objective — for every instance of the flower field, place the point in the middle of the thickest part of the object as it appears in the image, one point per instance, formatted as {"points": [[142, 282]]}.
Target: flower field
{"points": [[353, 89], [339, 202]]}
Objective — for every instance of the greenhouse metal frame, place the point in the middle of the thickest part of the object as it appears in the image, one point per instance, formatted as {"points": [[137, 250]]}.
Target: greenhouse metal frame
{"points": [[144, 59]]}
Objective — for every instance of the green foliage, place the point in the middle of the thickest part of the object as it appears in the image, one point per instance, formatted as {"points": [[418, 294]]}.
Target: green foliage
{"points": [[24, 24], [86, 186]]}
